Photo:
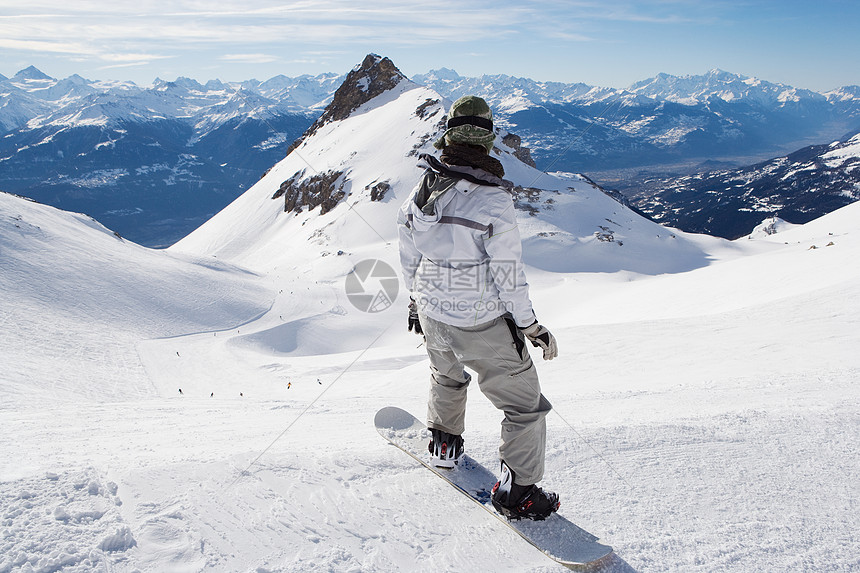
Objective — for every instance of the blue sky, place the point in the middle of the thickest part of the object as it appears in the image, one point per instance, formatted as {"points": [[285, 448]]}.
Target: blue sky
{"points": [[609, 43]]}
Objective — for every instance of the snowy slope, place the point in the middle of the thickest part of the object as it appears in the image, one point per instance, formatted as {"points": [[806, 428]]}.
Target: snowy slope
{"points": [[706, 411], [65, 278], [691, 436]]}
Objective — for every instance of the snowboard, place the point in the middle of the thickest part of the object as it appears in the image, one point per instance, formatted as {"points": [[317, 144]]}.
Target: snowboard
{"points": [[556, 537]]}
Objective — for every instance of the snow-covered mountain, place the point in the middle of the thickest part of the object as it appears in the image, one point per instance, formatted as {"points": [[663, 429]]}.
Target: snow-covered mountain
{"points": [[155, 162], [663, 120], [797, 187], [342, 183], [209, 407], [718, 84], [151, 162]]}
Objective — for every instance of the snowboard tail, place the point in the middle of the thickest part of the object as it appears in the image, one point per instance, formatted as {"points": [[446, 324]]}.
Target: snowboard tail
{"points": [[556, 537]]}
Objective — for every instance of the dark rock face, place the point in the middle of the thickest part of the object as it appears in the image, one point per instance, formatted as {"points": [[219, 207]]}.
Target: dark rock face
{"points": [[428, 109], [522, 153], [378, 190], [324, 190]]}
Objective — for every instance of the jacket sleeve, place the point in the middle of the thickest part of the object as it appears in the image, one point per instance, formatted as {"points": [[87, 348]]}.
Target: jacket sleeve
{"points": [[507, 271], [410, 257]]}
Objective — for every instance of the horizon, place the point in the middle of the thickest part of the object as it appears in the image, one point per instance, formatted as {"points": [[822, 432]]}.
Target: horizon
{"points": [[204, 81], [613, 44]]}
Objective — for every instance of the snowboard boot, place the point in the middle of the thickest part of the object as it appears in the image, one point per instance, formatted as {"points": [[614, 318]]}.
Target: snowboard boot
{"points": [[445, 449], [517, 502]]}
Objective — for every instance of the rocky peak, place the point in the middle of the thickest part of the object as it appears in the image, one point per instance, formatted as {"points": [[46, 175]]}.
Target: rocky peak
{"points": [[32, 73], [367, 80]]}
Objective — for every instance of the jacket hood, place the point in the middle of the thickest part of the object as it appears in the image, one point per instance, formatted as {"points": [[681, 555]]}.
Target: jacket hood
{"points": [[438, 185]]}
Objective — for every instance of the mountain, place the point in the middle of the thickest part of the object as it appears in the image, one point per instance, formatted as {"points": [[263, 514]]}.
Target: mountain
{"points": [[209, 406], [156, 162], [659, 121], [797, 187], [341, 185], [152, 163]]}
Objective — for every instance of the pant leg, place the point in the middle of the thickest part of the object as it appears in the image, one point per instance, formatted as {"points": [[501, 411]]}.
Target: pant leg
{"points": [[449, 381], [508, 378]]}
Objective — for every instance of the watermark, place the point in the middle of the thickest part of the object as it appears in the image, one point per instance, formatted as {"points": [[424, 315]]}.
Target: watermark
{"points": [[372, 286], [461, 306], [467, 276]]}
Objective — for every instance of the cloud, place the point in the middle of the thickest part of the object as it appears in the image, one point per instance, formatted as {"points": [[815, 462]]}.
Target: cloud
{"points": [[232, 22], [248, 58], [128, 33], [128, 65]]}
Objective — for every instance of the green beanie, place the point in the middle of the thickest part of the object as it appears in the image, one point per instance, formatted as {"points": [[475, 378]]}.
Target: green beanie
{"points": [[475, 126]]}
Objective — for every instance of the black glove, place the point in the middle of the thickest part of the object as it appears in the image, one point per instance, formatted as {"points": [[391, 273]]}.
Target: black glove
{"points": [[542, 338], [414, 323]]}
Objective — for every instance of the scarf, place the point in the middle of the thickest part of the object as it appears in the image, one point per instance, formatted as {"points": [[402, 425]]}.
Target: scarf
{"points": [[468, 156]]}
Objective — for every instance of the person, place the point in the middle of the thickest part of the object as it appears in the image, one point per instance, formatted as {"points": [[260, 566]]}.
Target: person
{"points": [[461, 259]]}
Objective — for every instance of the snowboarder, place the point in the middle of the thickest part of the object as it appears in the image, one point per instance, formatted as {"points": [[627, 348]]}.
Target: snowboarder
{"points": [[460, 253]]}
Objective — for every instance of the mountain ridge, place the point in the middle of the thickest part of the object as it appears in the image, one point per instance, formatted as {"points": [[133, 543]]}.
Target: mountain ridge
{"points": [[148, 161]]}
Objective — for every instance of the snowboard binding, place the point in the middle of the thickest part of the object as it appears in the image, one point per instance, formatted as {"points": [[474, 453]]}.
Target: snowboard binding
{"points": [[517, 502], [445, 449]]}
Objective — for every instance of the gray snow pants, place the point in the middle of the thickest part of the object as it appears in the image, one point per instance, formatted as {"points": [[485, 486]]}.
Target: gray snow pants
{"points": [[507, 377]]}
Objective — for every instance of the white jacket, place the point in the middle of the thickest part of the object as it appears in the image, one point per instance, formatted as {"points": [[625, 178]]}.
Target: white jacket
{"points": [[461, 255]]}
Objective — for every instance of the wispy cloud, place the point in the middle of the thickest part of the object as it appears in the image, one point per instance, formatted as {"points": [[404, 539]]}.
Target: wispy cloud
{"points": [[248, 58], [47, 46], [187, 22], [136, 64], [241, 32]]}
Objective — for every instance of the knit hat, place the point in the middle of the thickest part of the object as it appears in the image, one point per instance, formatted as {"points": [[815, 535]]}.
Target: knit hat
{"points": [[470, 121]]}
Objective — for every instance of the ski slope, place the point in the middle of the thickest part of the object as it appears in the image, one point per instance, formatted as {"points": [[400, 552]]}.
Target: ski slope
{"points": [[704, 421], [705, 417]]}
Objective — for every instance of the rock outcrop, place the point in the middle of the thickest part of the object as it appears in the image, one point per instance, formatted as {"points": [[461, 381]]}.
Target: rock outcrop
{"points": [[524, 154], [325, 190]]}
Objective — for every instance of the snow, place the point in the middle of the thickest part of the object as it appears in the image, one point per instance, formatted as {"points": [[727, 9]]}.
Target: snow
{"points": [[849, 151], [705, 400], [770, 226]]}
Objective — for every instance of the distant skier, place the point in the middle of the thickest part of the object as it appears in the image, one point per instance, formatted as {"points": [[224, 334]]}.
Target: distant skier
{"points": [[460, 253], [180, 391], [289, 385]]}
